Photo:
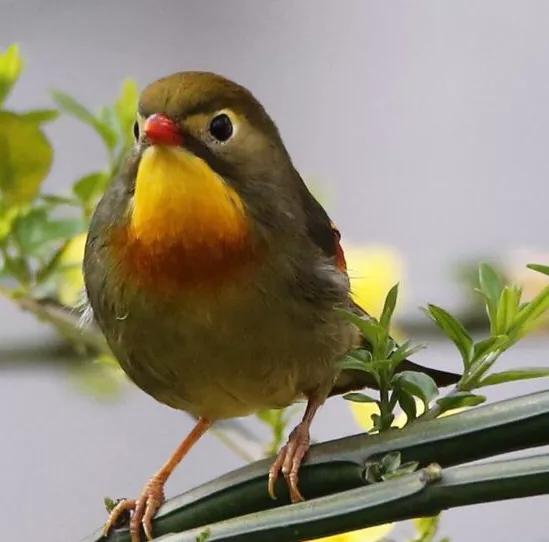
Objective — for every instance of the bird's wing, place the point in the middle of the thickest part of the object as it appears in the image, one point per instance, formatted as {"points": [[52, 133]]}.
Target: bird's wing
{"points": [[321, 229], [327, 237]]}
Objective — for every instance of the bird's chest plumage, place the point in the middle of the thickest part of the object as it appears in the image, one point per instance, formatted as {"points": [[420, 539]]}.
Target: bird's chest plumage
{"points": [[251, 345]]}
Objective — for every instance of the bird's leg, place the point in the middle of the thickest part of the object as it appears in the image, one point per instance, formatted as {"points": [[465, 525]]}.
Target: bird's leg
{"points": [[152, 496], [291, 455]]}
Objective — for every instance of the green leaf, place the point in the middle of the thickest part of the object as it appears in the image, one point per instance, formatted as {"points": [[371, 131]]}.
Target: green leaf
{"points": [[407, 404], [125, 108], [25, 159], [368, 327], [538, 267], [7, 218], [40, 116], [426, 528], [17, 267], [359, 398], [417, 384], [529, 314], [390, 462], [490, 286], [351, 363], [389, 307], [204, 535], [53, 200], [507, 308], [76, 109], [34, 229], [488, 346], [11, 65], [455, 332], [513, 375], [88, 188], [404, 351], [459, 399]]}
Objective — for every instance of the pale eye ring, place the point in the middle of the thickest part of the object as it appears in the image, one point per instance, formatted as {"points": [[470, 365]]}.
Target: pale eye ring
{"points": [[221, 127]]}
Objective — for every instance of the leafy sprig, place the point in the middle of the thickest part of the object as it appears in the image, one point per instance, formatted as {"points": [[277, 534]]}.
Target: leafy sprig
{"points": [[510, 320]]}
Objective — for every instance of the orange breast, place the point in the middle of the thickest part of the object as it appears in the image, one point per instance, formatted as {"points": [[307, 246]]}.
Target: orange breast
{"points": [[187, 227]]}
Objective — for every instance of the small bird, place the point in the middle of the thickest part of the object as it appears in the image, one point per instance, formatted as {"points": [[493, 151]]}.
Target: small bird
{"points": [[216, 276]]}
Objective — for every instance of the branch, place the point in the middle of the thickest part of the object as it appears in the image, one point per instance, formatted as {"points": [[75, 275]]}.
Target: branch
{"points": [[413, 495], [338, 465]]}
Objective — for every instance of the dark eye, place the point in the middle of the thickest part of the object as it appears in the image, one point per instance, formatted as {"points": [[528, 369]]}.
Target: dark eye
{"points": [[221, 127], [136, 130]]}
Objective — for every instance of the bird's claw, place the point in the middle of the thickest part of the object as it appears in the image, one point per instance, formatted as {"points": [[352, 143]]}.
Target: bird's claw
{"points": [[144, 509], [288, 461]]}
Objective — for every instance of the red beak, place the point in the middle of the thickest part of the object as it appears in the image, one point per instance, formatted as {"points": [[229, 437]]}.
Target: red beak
{"points": [[161, 130]]}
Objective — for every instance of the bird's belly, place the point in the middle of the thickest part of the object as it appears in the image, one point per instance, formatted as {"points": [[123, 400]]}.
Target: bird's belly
{"points": [[224, 359]]}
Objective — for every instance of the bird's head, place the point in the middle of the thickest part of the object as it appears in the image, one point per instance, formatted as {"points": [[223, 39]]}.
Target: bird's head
{"points": [[209, 175]]}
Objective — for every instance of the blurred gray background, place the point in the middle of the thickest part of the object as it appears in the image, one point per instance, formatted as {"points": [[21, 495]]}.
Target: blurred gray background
{"points": [[426, 124]]}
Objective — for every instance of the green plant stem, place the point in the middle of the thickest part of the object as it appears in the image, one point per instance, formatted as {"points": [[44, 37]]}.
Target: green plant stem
{"points": [[338, 465], [413, 495], [64, 320]]}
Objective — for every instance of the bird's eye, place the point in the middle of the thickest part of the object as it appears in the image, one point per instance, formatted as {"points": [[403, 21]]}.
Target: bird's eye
{"points": [[221, 127], [136, 130]]}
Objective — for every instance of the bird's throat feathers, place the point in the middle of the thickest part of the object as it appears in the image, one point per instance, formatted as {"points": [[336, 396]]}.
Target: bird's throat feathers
{"points": [[186, 224]]}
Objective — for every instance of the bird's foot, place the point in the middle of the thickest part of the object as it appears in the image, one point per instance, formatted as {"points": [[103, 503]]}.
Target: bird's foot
{"points": [[289, 460], [144, 509]]}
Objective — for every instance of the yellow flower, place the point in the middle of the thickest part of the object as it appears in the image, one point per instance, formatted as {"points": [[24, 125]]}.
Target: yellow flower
{"points": [[70, 282], [372, 534], [373, 271]]}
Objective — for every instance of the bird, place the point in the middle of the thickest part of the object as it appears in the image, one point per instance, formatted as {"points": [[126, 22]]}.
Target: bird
{"points": [[216, 277]]}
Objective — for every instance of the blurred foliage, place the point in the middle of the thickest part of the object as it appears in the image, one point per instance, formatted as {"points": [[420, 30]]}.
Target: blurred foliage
{"points": [[42, 235]]}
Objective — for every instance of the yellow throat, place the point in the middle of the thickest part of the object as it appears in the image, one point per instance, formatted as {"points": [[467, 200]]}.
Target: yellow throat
{"points": [[180, 200], [188, 228]]}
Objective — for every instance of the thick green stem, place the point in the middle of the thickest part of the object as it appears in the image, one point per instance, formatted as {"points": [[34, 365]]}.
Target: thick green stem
{"points": [[338, 465]]}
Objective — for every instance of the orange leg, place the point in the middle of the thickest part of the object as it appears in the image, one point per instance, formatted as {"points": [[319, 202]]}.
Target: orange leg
{"points": [[291, 455], [152, 497]]}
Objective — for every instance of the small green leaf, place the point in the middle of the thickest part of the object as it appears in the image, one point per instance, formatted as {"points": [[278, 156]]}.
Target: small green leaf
{"points": [[359, 398], [390, 462], [490, 286], [403, 352], [488, 346], [53, 200], [459, 399], [513, 375], [529, 314], [40, 116], [17, 267], [11, 65], [125, 108], [25, 159], [88, 188], [507, 308], [454, 330], [34, 229], [417, 384], [350, 363], [204, 536], [407, 404], [538, 267], [426, 528], [405, 468], [76, 109], [368, 327], [389, 307]]}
